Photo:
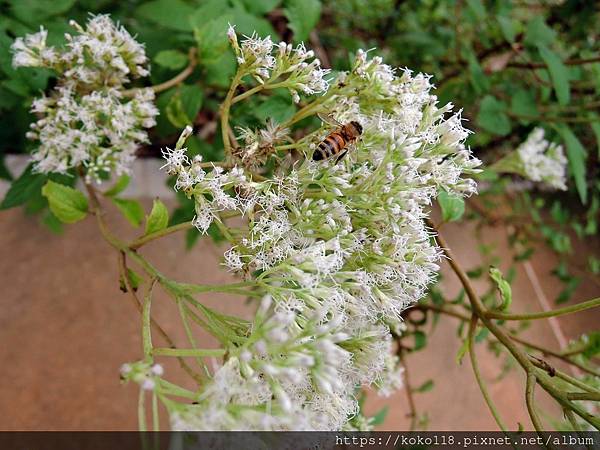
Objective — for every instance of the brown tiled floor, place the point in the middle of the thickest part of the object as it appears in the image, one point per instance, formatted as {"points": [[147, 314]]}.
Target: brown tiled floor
{"points": [[65, 329]]}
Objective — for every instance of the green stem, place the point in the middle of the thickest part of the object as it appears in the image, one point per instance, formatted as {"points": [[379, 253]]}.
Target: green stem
{"points": [[142, 411], [225, 108], [592, 396], [545, 314], [478, 377], [158, 234], [530, 400], [196, 352], [155, 419], [146, 333]]}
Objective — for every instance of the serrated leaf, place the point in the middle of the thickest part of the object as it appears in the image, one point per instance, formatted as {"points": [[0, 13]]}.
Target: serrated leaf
{"points": [[158, 218], [302, 16], [380, 416], [131, 210], [171, 59], [119, 186], [172, 14], [576, 155], [452, 205], [23, 188], [503, 287], [492, 116], [67, 204], [559, 74], [425, 387]]}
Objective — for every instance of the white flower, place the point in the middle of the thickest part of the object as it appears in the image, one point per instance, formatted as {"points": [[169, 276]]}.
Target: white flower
{"points": [[86, 120], [543, 161]]}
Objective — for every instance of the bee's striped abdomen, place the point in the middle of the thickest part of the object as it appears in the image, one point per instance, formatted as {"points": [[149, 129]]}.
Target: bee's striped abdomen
{"points": [[331, 145]]}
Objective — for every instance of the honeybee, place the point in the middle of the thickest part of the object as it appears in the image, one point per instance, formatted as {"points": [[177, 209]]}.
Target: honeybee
{"points": [[337, 142]]}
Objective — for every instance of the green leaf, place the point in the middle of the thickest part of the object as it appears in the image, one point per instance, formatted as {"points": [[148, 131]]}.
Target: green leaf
{"points": [[171, 59], [507, 26], [576, 155], [67, 204], [23, 188], [184, 105], [134, 279], [131, 209], [478, 9], [503, 288], [158, 218], [302, 16], [191, 237], [538, 33], [279, 107], [592, 347], [523, 103], [453, 206], [478, 78], [249, 23], [260, 7], [380, 416], [119, 186], [492, 116], [172, 14], [596, 129], [211, 37], [36, 11], [420, 340], [425, 387], [558, 74], [462, 351]]}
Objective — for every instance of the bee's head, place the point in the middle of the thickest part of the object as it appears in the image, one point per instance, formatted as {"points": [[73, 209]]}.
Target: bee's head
{"points": [[357, 126]]}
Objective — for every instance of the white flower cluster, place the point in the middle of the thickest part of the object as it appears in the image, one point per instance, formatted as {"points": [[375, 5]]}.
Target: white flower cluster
{"points": [[543, 161], [339, 250], [268, 61], [86, 120]]}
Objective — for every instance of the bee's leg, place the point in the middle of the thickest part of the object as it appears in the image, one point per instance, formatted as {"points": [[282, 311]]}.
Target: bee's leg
{"points": [[339, 158]]}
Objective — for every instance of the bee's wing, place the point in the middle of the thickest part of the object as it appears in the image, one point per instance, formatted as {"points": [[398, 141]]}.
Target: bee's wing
{"points": [[329, 119]]}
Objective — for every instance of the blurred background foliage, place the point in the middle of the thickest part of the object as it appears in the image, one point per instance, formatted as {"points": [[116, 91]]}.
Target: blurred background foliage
{"points": [[510, 66]]}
